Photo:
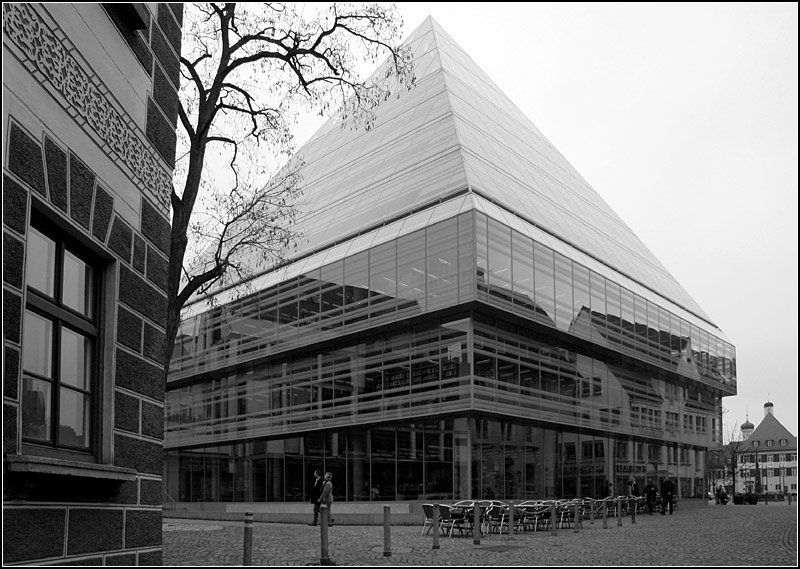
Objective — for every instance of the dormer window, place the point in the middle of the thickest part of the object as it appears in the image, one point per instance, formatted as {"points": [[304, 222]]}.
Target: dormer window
{"points": [[783, 442], [755, 444], [769, 443]]}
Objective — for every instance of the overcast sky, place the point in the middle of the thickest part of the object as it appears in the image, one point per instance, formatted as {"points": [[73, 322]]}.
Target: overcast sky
{"points": [[683, 117]]}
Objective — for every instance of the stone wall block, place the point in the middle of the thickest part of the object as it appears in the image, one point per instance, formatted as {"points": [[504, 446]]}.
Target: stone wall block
{"points": [[103, 210], [139, 375], [92, 530], [177, 10], [129, 329], [56, 162], [25, 159], [81, 191], [121, 239], [10, 431], [150, 558], [11, 372], [139, 253], [155, 227], [153, 420], [142, 528], [142, 297], [154, 343], [19, 524], [12, 316], [161, 133], [157, 269], [151, 492], [144, 456], [13, 260], [165, 95], [124, 559], [15, 205], [170, 28], [165, 56], [126, 412]]}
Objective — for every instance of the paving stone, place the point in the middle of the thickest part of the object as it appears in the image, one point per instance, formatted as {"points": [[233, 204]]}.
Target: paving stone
{"points": [[696, 535]]}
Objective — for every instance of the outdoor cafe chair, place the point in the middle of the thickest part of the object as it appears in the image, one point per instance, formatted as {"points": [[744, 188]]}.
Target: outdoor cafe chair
{"points": [[526, 516], [611, 504], [428, 511], [452, 518], [539, 515], [565, 512], [465, 509], [497, 517]]}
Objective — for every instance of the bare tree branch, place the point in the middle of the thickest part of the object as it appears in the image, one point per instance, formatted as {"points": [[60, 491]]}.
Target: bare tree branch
{"points": [[246, 69]]}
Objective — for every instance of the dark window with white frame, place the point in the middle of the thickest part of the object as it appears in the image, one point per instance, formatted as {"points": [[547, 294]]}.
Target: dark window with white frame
{"points": [[60, 342]]}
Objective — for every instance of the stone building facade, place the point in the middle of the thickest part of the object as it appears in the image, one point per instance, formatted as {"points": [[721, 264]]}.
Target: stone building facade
{"points": [[768, 457], [89, 117]]}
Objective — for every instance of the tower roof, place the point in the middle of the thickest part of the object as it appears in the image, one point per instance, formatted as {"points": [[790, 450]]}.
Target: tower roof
{"points": [[770, 429]]}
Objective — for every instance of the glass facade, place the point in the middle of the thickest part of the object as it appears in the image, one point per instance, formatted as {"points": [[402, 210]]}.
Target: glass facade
{"points": [[468, 319], [433, 459], [442, 326]]}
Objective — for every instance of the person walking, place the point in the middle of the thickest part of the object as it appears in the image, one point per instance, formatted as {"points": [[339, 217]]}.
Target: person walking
{"points": [[667, 495], [316, 492], [650, 493], [326, 496]]}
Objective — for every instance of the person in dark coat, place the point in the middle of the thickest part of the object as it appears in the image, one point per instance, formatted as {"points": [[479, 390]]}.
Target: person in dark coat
{"points": [[316, 492], [650, 494], [667, 495], [326, 496]]}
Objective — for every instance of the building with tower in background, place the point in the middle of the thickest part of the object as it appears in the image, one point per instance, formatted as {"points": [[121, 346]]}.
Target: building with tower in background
{"points": [[768, 457], [467, 318]]}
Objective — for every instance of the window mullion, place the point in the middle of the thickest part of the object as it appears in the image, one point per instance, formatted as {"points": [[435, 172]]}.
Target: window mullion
{"points": [[56, 397], [74, 321]]}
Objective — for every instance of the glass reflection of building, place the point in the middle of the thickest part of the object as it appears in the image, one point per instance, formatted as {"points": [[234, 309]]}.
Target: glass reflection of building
{"points": [[467, 319]]}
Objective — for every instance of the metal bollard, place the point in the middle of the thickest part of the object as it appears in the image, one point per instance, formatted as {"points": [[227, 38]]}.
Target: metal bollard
{"points": [[436, 526], [633, 510], [511, 519], [591, 511], [553, 521], [387, 537], [248, 539], [476, 526], [619, 512], [605, 514], [576, 518], [324, 514]]}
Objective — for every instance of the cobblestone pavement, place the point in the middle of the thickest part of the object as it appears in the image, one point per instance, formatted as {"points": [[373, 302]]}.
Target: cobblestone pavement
{"points": [[697, 534]]}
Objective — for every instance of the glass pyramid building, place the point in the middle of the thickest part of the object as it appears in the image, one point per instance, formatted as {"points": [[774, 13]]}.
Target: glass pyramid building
{"points": [[466, 318]]}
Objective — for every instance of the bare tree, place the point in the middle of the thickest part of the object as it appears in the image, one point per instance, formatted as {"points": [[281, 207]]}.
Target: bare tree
{"points": [[726, 461], [246, 70]]}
